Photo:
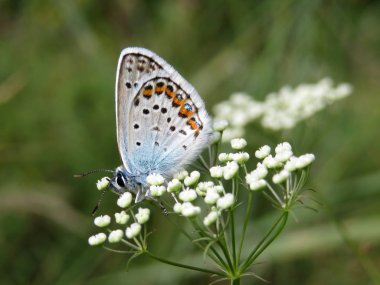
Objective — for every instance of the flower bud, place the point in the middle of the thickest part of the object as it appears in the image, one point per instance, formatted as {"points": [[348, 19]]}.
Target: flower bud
{"points": [[155, 179], [174, 186], [124, 200], [263, 152], [115, 236], [216, 171], [103, 183], [238, 143], [143, 215], [102, 221], [97, 239], [226, 201], [121, 218], [133, 230], [188, 195]]}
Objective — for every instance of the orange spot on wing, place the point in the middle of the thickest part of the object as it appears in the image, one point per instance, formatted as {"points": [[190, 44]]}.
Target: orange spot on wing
{"points": [[159, 89], [184, 112], [192, 123], [147, 92], [178, 102], [169, 93]]}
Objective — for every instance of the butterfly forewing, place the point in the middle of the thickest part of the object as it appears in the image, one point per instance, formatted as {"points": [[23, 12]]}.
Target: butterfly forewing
{"points": [[161, 120]]}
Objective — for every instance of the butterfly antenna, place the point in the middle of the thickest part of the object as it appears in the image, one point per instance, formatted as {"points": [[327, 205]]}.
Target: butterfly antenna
{"points": [[99, 201], [92, 171]]}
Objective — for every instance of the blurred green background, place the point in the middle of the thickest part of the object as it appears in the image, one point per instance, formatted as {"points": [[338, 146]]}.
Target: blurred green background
{"points": [[57, 72]]}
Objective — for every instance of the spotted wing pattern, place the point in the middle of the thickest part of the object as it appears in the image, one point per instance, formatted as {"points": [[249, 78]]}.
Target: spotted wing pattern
{"points": [[162, 121]]}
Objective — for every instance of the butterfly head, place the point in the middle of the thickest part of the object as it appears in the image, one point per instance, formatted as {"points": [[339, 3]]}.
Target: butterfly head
{"points": [[122, 181], [119, 181]]}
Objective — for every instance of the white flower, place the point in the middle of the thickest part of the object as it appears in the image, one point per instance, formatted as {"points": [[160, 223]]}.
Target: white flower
{"points": [[192, 179], [142, 216], [231, 133], [211, 196], [124, 200], [257, 184], [115, 236], [263, 152], [224, 157], [155, 179], [157, 191], [102, 221], [181, 175], [271, 162], [177, 208], [261, 171], [281, 176], [210, 218], [230, 170], [133, 230], [240, 99], [305, 160], [220, 125], [189, 210], [343, 90], [218, 188], [216, 136], [97, 239], [203, 186], [238, 143], [188, 195], [285, 146], [121, 218], [283, 156], [240, 157], [291, 164], [226, 201], [216, 171], [103, 183], [174, 186]]}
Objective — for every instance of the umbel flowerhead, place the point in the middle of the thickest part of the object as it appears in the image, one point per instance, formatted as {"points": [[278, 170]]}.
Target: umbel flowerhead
{"points": [[207, 201]]}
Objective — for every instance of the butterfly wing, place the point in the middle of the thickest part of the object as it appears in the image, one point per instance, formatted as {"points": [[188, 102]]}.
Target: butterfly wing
{"points": [[161, 120]]}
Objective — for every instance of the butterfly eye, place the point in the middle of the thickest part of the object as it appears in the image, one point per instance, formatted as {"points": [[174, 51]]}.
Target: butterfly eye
{"points": [[120, 181]]}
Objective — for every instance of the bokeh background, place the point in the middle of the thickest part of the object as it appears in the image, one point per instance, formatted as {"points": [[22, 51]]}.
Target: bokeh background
{"points": [[57, 72]]}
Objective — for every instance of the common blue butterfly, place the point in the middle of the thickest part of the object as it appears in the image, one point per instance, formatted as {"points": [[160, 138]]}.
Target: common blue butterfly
{"points": [[161, 121]]}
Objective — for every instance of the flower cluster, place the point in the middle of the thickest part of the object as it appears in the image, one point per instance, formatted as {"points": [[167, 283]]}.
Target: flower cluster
{"points": [[281, 110], [286, 170], [122, 218]]}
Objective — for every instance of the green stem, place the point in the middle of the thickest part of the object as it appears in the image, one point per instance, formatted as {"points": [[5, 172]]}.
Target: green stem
{"points": [[223, 243], [184, 265], [204, 163], [266, 241], [217, 259], [233, 242], [223, 247], [232, 221], [249, 208], [235, 281]]}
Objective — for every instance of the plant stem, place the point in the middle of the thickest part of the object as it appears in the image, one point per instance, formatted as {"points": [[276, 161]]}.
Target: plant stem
{"points": [[233, 238], [217, 258], [235, 281], [266, 241], [249, 207], [232, 224], [184, 265]]}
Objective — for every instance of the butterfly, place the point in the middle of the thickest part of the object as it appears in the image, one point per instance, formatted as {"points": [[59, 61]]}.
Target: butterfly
{"points": [[161, 121]]}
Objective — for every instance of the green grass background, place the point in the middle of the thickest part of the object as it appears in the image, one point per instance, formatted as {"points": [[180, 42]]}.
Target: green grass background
{"points": [[57, 72]]}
